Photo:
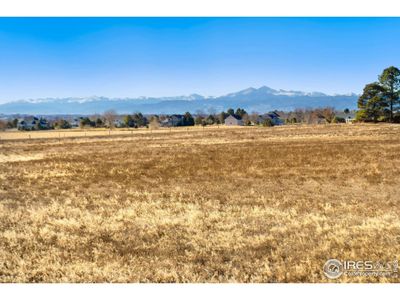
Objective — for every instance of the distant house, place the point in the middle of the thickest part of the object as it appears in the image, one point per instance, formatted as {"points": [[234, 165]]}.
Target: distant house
{"points": [[28, 123], [349, 117], [33, 123], [171, 121], [118, 123], [273, 116], [75, 122], [233, 121]]}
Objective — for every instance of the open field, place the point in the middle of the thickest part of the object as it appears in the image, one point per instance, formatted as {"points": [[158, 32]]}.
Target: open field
{"points": [[96, 132], [215, 205]]}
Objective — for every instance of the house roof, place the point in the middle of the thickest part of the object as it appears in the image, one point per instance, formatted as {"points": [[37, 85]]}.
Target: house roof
{"points": [[232, 117], [350, 115], [274, 113], [271, 115], [29, 120], [176, 116]]}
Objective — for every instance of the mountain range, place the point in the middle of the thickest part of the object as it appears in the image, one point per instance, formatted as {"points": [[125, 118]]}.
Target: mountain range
{"points": [[261, 100]]}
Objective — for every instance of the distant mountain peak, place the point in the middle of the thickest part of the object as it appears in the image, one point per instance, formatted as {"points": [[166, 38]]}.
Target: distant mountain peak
{"points": [[266, 89], [242, 92], [251, 90], [195, 97], [248, 90]]}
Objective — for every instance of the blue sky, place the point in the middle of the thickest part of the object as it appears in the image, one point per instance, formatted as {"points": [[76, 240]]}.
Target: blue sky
{"points": [[129, 57]]}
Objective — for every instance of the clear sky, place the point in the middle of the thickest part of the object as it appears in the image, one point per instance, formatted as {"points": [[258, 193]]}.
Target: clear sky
{"points": [[130, 57]]}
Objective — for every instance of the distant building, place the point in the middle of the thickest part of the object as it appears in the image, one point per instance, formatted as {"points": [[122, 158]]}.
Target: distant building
{"points": [[350, 119], [28, 123], [171, 121], [118, 123], [75, 122], [273, 116], [233, 121], [43, 124], [33, 123]]}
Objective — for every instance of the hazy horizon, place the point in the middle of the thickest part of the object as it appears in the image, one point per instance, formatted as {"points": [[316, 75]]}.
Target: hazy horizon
{"points": [[176, 96]]}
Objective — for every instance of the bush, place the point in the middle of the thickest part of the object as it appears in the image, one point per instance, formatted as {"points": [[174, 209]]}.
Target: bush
{"points": [[87, 122], [396, 118], [383, 119], [188, 119], [63, 124], [361, 115], [338, 120], [3, 125], [198, 120], [268, 123]]}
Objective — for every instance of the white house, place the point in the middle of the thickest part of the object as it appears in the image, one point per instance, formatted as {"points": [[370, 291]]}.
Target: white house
{"points": [[350, 119], [233, 121]]}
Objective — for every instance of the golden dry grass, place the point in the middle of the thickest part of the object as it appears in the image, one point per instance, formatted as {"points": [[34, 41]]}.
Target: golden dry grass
{"points": [[219, 205], [96, 132]]}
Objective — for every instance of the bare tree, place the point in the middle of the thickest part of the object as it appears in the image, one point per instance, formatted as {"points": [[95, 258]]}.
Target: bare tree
{"points": [[110, 116], [315, 117], [254, 118], [154, 123], [3, 125], [299, 115], [162, 117], [246, 119], [327, 113], [310, 117], [307, 116]]}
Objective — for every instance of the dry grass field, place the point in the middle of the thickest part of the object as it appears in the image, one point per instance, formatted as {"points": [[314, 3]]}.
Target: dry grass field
{"points": [[219, 205]]}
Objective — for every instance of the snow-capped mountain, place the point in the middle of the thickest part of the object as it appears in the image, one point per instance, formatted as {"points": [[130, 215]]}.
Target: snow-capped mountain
{"points": [[252, 99]]}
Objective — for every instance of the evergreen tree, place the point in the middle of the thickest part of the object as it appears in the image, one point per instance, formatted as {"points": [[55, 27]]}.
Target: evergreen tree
{"points": [[198, 120], [99, 122], [222, 116], [390, 81], [64, 124], [188, 119], [139, 120], [240, 112], [128, 121], [372, 103], [210, 120]]}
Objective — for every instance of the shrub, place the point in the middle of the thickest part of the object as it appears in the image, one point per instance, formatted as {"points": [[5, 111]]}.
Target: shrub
{"points": [[338, 120], [268, 123], [396, 118]]}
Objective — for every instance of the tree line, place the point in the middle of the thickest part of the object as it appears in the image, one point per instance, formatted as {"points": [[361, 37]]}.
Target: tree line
{"points": [[213, 118], [111, 119]]}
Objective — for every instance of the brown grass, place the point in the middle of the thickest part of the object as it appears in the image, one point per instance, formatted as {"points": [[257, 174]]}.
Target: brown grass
{"points": [[219, 205]]}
